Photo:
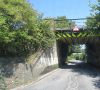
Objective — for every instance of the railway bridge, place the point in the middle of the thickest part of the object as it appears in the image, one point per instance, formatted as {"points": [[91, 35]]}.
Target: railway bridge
{"points": [[88, 36]]}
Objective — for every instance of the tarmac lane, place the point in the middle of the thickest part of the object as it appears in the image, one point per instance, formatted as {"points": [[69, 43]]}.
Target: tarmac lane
{"points": [[76, 75]]}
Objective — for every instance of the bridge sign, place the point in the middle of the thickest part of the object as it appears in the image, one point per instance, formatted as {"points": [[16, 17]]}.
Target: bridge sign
{"points": [[76, 29]]}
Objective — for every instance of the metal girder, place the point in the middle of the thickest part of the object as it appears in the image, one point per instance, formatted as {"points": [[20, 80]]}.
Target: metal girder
{"points": [[80, 37]]}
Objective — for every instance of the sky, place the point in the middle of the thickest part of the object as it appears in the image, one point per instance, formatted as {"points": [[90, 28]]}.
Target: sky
{"points": [[69, 8]]}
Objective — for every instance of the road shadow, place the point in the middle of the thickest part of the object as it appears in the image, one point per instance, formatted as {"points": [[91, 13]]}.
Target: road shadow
{"points": [[83, 68]]}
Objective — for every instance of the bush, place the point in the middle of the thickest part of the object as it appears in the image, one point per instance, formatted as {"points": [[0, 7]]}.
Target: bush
{"points": [[80, 56], [77, 56]]}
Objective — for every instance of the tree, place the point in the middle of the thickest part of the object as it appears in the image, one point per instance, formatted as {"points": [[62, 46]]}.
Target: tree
{"points": [[77, 49], [95, 22], [63, 22], [21, 28]]}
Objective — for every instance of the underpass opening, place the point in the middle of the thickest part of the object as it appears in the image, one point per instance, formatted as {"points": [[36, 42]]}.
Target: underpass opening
{"points": [[76, 52], [68, 52], [91, 52]]}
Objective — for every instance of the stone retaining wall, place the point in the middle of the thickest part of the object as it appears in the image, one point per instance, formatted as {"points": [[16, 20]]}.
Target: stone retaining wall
{"points": [[21, 73]]}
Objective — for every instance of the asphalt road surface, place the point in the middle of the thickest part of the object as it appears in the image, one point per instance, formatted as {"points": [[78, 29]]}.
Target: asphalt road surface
{"points": [[74, 76]]}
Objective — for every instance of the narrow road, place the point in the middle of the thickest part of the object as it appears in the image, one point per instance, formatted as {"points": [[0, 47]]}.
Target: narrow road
{"points": [[74, 76]]}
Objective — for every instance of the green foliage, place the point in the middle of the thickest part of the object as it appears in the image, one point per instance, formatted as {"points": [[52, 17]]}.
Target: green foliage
{"points": [[21, 29], [77, 56], [75, 52], [96, 15], [77, 49], [74, 49], [70, 57], [80, 56], [63, 22]]}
